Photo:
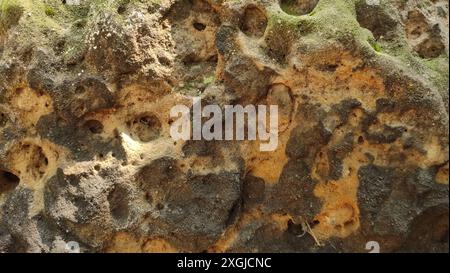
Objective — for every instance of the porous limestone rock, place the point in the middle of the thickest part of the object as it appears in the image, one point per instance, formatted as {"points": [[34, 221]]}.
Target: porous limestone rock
{"points": [[86, 89]]}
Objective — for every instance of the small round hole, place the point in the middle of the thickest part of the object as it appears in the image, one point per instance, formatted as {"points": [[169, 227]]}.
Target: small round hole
{"points": [[314, 223], [94, 126], [199, 26], [360, 139], [121, 9], [8, 181]]}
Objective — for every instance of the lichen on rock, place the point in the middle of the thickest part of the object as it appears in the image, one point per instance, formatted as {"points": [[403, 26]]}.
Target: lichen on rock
{"points": [[86, 154]]}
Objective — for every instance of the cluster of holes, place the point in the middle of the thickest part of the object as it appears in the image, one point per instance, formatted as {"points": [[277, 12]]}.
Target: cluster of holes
{"points": [[88, 96], [430, 48], [254, 22], [37, 162], [425, 38], [145, 127], [201, 17], [298, 7]]}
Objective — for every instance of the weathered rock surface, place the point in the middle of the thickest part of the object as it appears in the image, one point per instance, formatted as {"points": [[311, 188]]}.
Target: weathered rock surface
{"points": [[86, 89]]}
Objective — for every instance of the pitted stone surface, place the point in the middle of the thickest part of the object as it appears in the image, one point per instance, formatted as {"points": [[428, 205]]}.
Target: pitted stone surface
{"points": [[86, 89]]}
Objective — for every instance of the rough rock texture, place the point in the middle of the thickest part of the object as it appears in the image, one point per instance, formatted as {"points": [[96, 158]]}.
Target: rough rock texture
{"points": [[85, 152]]}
